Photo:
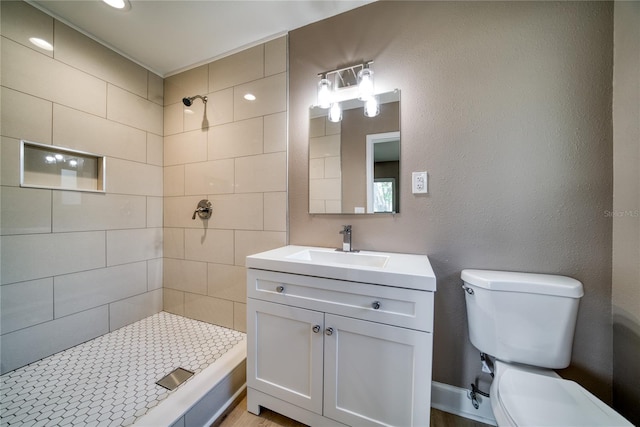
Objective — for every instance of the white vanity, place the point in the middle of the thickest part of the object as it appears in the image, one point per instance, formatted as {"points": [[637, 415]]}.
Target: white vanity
{"points": [[340, 338]]}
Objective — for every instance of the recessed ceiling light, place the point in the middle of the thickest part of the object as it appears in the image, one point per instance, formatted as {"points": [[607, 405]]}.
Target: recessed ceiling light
{"points": [[42, 44], [119, 4], [250, 97]]}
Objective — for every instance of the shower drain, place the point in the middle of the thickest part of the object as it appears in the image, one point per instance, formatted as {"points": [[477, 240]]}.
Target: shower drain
{"points": [[176, 377]]}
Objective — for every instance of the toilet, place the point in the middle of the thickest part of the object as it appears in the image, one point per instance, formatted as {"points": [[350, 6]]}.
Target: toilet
{"points": [[526, 322]]}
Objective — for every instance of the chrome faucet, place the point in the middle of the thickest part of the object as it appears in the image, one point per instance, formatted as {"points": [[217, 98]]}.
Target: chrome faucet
{"points": [[346, 239]]}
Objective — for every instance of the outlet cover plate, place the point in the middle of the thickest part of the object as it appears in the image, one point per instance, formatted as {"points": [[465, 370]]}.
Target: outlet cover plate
{"points": [[419, 183]]}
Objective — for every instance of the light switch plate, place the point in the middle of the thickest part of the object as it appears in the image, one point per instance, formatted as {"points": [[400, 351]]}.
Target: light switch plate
{"points": [[419, 182]]}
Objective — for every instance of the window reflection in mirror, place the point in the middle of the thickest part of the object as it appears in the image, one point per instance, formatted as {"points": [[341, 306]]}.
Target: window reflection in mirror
{"points": [[343, 171]]}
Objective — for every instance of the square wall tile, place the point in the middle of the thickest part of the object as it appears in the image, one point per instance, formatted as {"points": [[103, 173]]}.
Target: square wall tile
{"points": [[129, 310], [173, 301], [173, 119], [25, 304], [28, 71], [252, 242], [35, 256], [263, 173], [237, 211], [154, 212], [154, 274], [240, 316], [214, 177], [208, 309], [173, 181], [173, 243], [275, 56], [208, 245], [178, 212], [316, 127], [241, 138], [324, 146], [316, 168], [86, 132], [271, 97], [185, 275], [275, 132], [25, 116], [227, 282], [81, 211], [236, 69], [20, 21], [85, 54], [126, 177], [10, 161], [77, 292], [155, 88], [187, 147], [18, 213], [27, 345], [126, 246], [155, 149], [275, 211], [133, 110], [186, 84], [220, 107]]}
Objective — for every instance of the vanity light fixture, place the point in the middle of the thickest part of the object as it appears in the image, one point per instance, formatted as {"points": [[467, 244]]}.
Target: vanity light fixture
{"points": [[324, 92], [335, 112], [371, 107], [365, 83]]}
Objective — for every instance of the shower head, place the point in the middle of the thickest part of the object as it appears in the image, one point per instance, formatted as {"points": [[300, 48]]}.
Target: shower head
{"points": [[189, 100]]}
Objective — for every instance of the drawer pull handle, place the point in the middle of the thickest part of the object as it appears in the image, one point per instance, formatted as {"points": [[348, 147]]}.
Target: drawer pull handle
{"points": [[280, 289], [316, 329], [375, 305], [328, 331]]}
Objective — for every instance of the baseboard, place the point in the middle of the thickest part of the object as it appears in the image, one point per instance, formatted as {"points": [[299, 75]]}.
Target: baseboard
{"points": [[455, 400]]}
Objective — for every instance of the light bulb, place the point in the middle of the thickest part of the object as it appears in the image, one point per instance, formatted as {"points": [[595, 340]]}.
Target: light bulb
{"points": [[324, 93], [335, 113], [365, 83], [371, 107]]}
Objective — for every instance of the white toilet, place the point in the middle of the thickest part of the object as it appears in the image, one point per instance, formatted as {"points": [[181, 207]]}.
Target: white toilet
{"points": [[526, 322]]}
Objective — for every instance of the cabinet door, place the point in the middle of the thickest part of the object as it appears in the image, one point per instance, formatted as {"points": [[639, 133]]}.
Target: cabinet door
{"points": [[376, 374], [284, 353]]}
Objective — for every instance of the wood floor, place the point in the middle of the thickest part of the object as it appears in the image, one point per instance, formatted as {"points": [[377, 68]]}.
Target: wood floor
{"points": [[239, 417]]}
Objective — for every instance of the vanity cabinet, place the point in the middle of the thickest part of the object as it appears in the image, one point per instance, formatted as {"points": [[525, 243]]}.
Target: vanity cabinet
{"points": [[334, 352]]}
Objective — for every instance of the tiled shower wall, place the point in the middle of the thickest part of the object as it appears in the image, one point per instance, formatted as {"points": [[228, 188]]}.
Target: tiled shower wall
{"points": [[75, 265], [234, 154]]}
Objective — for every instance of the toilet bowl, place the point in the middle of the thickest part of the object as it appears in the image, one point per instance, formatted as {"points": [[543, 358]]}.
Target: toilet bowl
{"points": [[526, 322]]}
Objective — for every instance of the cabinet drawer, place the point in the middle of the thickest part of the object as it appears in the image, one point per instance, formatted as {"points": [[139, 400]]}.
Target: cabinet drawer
{"points": [[408, 308]]}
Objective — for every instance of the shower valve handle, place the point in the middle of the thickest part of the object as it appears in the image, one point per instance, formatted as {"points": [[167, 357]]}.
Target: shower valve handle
{"points": [[203, 210]]}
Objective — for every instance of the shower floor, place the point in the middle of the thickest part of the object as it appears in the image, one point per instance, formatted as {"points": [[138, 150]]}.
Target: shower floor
{"points": [[111, 380]]}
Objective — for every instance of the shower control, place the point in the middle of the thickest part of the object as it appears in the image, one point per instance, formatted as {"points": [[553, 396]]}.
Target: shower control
{"points": [[203, 210]]}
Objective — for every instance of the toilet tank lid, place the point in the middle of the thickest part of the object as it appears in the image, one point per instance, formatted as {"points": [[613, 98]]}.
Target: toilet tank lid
{"points": [[533, 283]]}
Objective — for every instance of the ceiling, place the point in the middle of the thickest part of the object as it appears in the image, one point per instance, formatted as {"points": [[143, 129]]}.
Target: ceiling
{"points": [[169, 36]]}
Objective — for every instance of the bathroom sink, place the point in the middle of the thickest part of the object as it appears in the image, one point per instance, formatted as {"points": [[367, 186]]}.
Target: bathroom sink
{"points": [[383, 268], [336, 257]]}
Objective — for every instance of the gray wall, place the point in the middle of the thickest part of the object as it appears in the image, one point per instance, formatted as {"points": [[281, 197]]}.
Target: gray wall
{"points": [[626, 210], [507, 105]]}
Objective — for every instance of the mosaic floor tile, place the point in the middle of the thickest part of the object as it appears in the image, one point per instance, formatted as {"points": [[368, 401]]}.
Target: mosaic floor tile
{"points": [[111, 380]]}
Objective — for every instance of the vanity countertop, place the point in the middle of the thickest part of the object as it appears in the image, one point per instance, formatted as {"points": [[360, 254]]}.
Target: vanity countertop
{"points": [[383, 268]]}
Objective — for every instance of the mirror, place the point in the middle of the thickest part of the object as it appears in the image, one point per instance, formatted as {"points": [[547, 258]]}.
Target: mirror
{"points": [[354, 164]]}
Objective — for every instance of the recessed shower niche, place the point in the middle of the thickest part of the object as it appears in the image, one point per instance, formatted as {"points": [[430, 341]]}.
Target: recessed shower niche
{"points": [[49, 166]]}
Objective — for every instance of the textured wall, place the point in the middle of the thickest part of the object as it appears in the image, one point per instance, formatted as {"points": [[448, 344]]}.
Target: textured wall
{"points": [[507, 105], [626, 210], [76, 265], [234, 154]]}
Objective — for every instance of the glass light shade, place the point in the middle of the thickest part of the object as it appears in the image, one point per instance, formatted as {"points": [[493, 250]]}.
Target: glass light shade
{"points": [[324, 93], [335, 113], [365, 84], [371, 107]]}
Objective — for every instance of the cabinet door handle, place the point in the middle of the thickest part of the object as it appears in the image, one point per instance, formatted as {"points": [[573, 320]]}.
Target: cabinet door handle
{"points": [[316, 329], [328, 331], [375, 305], [280, 289]]}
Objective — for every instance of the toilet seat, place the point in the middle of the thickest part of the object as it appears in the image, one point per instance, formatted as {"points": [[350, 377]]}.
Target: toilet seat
{"points": [[531, 399]]}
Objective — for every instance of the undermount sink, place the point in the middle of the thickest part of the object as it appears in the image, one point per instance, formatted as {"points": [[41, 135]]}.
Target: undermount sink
{"points": [[384, 268], [336, 257]]}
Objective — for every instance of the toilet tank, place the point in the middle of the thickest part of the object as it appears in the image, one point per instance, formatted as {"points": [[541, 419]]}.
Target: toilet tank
{"points": [[522, 317]]}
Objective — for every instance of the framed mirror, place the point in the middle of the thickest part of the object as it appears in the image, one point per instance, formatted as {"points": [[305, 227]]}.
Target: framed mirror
{"points": [[354, 164]]}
